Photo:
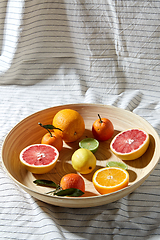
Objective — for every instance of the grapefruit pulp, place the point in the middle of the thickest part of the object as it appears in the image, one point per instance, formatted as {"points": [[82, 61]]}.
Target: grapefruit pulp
{"points": [[39, 158], [130, 144]]}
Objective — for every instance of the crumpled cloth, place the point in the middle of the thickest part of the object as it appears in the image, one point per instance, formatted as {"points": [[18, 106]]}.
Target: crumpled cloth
{"points": [[60, 52]]}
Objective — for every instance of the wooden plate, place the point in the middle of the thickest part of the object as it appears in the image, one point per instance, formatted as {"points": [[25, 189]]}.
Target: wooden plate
{"points": [[28, 132]]}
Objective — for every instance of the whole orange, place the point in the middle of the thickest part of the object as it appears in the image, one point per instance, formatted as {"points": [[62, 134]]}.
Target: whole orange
{"points": [[53, 139], [72, 180], [71, 123], [102, 129]]}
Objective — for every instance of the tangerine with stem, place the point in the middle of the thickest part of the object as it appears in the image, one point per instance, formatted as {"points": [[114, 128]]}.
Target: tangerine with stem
{"points": [[102, 129], [52, 138]]}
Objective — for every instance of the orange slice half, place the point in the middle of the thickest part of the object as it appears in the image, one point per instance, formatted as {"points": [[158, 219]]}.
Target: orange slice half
{"points": [[110, 179]]}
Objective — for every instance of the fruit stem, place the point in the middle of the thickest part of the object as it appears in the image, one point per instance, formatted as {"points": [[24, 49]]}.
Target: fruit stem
{"points": [[100, 119], [50, 133], [47, 127]]}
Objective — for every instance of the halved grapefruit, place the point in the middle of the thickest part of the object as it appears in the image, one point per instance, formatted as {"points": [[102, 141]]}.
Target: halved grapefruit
{"points": [[130, 144], [39, 158]]}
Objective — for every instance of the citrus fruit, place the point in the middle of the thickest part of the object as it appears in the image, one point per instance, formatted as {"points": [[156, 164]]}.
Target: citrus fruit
{"points": [[116, 164], [83, 161], [53, 139], [39, 158], [90, 144], [72, 180], [110, 179], [130, 144], [71, 123], [102, 129]]}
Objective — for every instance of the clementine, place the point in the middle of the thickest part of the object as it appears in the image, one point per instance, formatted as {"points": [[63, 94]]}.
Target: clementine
{"points": [[72, 180], [71, 123], [102, 129], [53, 139]]}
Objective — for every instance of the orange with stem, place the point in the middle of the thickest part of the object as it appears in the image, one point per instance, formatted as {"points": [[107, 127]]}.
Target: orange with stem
{"points": [[52, 138], [102, 129]]}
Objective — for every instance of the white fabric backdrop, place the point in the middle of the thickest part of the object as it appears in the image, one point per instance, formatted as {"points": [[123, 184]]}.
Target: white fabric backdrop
{"points": [[59, 52]]}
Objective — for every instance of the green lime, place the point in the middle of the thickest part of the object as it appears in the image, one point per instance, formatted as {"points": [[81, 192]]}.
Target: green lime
{"points": [[117, 164], [90, 144]]}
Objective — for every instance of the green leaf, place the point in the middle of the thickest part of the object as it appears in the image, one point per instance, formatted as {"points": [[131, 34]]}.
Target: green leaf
{"points": [[49, 126], [71, 192], [46, 183]]}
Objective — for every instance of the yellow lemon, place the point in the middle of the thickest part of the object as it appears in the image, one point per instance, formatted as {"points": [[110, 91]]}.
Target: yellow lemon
{"points": [[83, 161]]}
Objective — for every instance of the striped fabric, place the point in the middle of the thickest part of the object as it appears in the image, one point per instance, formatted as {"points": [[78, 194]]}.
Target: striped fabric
{"points": [[59, 52]]}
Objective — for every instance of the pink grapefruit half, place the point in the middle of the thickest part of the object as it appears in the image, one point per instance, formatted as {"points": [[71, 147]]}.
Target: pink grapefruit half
{"points": [[130, 144], [39, 158]]}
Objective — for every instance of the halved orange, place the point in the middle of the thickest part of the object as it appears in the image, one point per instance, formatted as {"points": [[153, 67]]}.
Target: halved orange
{"points": [[110, 179], [130, 144]]}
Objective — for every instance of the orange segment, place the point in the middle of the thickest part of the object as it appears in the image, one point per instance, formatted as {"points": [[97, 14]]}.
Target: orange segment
{"points": [[110, 179]]}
